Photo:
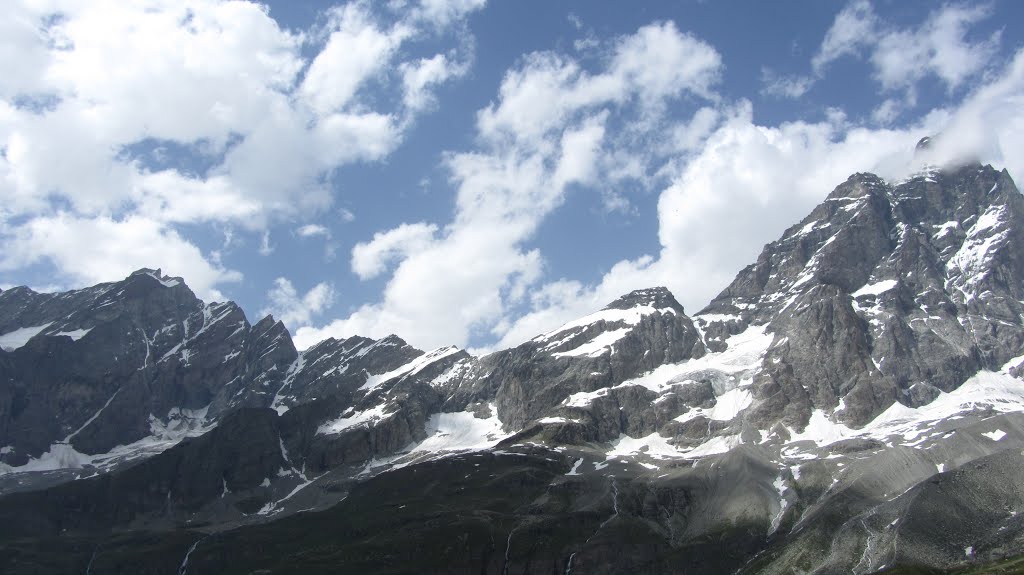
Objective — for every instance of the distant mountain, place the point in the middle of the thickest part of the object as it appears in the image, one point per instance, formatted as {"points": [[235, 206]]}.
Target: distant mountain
{"points": [[851, 402]]}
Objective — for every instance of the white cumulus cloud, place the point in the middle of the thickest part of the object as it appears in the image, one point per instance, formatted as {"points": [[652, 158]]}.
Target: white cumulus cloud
{"points": [[93, 250], [902, 57], [750, 181], [296, 309], [370, 259], [545, 133], [108, 107]]}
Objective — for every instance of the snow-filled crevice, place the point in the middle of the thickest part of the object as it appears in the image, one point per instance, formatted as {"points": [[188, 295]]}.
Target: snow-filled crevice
{"points": [[93, 418]]}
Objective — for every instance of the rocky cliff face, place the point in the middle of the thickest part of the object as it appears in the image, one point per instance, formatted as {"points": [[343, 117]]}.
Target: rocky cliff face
{"points": [[884, 293], [850, 402], [118, 363]]}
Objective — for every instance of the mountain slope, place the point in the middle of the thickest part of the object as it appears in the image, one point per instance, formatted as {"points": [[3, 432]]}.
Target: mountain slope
{"points": [[886, 293], [138, 362]]}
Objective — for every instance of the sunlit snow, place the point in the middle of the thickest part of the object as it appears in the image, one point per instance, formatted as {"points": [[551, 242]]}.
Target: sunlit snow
{"points": [[179, 424], [985, 390], [875, 288], [352, 418], [653, 445], [995, 435], [461, 431], [596, 346], [630, 316], [411, 368], [743, 355], [727, 406]]}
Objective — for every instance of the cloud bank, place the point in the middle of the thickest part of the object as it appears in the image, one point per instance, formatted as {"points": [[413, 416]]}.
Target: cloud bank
{"points": [[107, 108], [730, 184]]}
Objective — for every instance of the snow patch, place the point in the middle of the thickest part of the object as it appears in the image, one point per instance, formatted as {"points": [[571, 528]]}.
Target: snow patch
{"points": [[730, 404], [740, 359], [289, 376], [971, 260], [991, 219], [583, 398], [999, 392], [367, 417], [780, 486], [272, 507], [411, 368], [164, 281], [630, 316], [727, 407], [714, 446], [576, 467], [458, 369], [1013, 363], [547, 420], [653, 445], [875, 288], [808, 228], [716, 317], [461, 431], [93, 418], [596, 346], [13, 340], [743, 354], [995, 435], [946, 228], [821, 430], [59, 456], [75, 334], [181, 423]]}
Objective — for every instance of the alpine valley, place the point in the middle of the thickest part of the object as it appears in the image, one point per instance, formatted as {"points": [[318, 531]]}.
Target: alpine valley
{"points": [[851, 403]]}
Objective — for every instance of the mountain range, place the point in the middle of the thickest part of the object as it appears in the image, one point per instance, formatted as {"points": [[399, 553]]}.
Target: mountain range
{"points": [[851, 402]]}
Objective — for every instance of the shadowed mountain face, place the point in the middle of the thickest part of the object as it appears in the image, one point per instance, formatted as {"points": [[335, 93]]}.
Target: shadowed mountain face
{"points": [[850, 403], [118, 363]]}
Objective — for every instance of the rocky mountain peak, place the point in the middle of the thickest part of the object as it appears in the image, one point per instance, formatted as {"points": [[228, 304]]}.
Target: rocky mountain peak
{"points": [[659, 298], [914, 277], [157, 276], [392, 340], [859, 185], [125, 360]]}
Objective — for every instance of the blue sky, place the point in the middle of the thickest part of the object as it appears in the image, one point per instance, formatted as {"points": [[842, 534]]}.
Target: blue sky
{"points": [[462, 172]]}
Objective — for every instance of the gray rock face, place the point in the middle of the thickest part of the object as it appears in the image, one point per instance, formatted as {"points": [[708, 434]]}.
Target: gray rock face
{"points": [[110, 363], [884, 292], [235, 458], [632, 335], [334, 367]]}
